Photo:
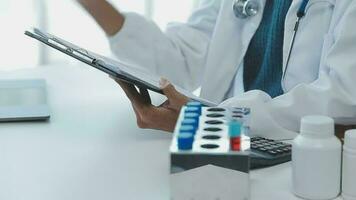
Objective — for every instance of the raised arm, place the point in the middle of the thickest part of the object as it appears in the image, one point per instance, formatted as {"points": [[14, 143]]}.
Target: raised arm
{"points": [[109, 18], [178, 53]]}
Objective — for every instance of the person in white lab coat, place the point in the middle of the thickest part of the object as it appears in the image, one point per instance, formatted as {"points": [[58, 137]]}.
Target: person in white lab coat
{"points": [[244, 61]]}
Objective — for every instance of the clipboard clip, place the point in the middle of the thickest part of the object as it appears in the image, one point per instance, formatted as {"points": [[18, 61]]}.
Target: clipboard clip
{"points": [[71, 49]]}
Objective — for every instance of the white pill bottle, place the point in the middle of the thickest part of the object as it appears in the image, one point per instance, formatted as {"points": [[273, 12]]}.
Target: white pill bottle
{"points": [[316, 159], [349, 166]]}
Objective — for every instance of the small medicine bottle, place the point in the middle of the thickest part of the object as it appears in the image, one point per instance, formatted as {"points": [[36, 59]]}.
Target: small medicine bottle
{"points": [[316, 160], [349, 166]]}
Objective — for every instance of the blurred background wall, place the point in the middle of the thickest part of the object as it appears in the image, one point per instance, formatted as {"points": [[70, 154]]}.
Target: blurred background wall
{"points": [[66, 19]]}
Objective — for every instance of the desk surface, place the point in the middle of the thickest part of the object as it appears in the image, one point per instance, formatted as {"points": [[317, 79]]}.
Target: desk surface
{"points": [[91, 148]]}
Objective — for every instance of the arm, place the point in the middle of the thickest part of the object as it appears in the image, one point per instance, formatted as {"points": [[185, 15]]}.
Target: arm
{"points": [[109, 19], [332, 94], [179, 53]]}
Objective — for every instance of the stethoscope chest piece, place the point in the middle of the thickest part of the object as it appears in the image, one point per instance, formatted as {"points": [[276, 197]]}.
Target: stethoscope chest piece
{"points": [[245, 8]]}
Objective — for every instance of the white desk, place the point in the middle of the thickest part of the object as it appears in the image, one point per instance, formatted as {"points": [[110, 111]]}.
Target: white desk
{"points": [[91, 149]]}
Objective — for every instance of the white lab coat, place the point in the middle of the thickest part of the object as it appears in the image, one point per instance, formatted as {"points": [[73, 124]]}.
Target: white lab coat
{"points": [[208, 51]]}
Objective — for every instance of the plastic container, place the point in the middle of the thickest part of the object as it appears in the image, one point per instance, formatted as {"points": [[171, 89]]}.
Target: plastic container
{"points": [[349, 166], [316, 159]]}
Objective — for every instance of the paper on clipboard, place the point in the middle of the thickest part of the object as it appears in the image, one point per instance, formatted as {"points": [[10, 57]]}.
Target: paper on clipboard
{"points": [[125, 71]]}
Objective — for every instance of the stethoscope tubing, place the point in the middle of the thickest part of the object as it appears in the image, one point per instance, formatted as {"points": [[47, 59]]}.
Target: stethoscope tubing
{"points": [[242, 13], [300, 14]]}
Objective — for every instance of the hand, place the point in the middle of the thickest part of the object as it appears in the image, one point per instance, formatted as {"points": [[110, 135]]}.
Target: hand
{"points": [[163, 117], [261, 121]]}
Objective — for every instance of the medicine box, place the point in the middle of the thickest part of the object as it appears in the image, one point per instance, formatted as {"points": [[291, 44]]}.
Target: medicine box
{"points": [[209, 154]]}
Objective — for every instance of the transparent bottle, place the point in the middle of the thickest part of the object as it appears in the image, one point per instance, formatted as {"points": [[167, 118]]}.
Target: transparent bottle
{"points": [[316, 159]]}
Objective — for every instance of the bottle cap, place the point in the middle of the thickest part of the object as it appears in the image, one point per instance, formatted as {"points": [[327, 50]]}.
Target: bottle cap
{"points": [[350, 139], [194, 104], [185, 141], [192, 110], [317, 125], [191, 116], [234, 129], [187, 129], [191, 121]]}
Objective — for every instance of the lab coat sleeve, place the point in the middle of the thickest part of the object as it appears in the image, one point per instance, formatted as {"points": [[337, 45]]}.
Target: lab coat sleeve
{"points": [[332, 94], [177, 53]]}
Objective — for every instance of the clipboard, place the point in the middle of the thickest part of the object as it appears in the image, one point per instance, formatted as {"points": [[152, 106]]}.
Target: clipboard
{"points": [[130, 73]]}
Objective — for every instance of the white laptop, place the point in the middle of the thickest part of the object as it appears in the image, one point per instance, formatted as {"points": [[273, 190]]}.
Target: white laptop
{"points": [[23, 100]]}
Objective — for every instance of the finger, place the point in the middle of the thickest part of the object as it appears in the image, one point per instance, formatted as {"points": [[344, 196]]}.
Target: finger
{"points": [[168, 89], [136, 112], [172, 94], [138, 115], [158, 118], [132, 93], [128, 88], [167, 119], [146, 95], [164, 104]]}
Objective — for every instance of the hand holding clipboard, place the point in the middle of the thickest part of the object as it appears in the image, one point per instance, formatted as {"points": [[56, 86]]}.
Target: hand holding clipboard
{"points": [[135, 75]]}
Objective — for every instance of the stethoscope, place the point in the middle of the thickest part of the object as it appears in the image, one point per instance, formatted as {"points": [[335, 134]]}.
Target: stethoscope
{"points": [[248, 8]]}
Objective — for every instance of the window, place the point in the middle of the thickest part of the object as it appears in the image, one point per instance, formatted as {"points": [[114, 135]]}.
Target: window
{"points": [[68, 20], [16, 50]]}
